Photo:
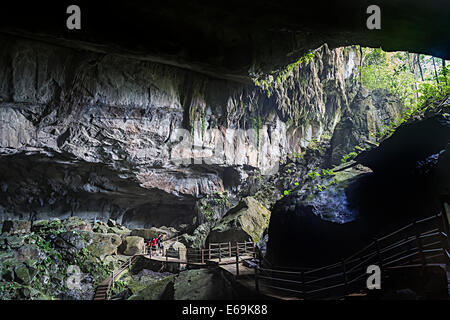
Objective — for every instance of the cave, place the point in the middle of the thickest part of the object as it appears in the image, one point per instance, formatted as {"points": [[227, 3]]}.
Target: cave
{"points": [[289, 124]]}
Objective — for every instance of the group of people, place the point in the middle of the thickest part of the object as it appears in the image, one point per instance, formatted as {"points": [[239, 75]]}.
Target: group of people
{"points": [[154, 244]]}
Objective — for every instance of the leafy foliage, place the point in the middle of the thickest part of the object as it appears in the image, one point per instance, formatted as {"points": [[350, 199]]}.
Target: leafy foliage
{"points": [[348, 157], [417, 80], [268, 82]]}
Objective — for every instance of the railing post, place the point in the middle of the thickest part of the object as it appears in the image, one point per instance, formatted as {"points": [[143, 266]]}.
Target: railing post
{"points": [[419, 244], [229, 249], [408, 247], [237, 259], [220, 253], [441, 235], [302, 279], [445, 222], [245, 247], [256, 279], [203, 256], [167, 256], [344, 270], [209, 252]]}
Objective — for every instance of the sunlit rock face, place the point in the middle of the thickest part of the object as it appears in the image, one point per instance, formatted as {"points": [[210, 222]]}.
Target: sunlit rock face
{"points": [[99, 135]]}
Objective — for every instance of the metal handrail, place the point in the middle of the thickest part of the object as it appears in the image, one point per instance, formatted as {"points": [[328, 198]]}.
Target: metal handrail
{"points": [[417, 249]]}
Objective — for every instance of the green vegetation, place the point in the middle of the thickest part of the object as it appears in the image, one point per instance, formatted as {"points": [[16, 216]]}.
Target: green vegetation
{"points": [[118, 287], [211, 203], [257, 125], [53, 254], [315, 144], [203, 123], [347, 157], [419, 81], [297, 155], [268, 82]]}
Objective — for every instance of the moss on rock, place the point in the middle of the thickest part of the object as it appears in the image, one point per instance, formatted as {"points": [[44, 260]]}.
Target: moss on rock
{"points": [[247, 220]]}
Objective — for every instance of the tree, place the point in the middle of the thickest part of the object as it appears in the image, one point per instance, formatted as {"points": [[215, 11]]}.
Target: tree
{"points": [[435, 71], [420, 67]]}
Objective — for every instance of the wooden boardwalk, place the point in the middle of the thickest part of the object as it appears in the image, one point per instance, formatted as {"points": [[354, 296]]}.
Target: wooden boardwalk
{"points": [[423, 242], [219, 254]]}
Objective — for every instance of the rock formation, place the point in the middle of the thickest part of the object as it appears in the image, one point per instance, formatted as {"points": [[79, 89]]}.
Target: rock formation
{"points": [[102, 136]]}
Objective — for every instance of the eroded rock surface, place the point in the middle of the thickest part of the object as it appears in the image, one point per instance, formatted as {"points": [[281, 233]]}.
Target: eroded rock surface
{"points": [[101, 136], [245, 222]]}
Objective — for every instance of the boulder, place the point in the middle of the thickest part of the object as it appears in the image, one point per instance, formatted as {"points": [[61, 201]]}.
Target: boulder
{"points": [[75, 223], [100, 227], [111, 223], [16, 226], [15, 241], [156, 290], [113, 261], [29, 292], [198, 238], [119, 230], [101, 245], [247, 220], [30, 254], [22, 274], [152, 233], [201, 284], [132, 245], [8, 262], [39, 225], [410, 143], [70, 239], [177, 249]]}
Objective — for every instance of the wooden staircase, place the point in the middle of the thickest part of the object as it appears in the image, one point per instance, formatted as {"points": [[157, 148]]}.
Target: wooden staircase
{"points": [[101, 293], [448, 280]]}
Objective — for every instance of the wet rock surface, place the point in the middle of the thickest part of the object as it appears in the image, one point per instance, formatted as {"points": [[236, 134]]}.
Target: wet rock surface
{"points": [[57, 259], [132, 245], [200, 284], [95, 136], [410, 144], [245, 222]]}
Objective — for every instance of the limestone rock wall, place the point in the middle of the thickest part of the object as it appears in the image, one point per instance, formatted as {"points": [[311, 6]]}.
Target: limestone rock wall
{"points": [[100, 136]]}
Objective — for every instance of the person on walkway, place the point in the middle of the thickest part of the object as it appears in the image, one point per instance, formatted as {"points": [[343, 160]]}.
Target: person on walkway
{"points": [[160, 244], [149, 245], [154, 244]]}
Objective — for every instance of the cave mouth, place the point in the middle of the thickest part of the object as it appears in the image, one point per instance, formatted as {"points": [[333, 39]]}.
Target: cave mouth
{"points": [[88, 125]]}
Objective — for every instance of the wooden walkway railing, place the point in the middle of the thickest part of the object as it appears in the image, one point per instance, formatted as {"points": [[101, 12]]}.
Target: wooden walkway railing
{"points": [[103, 289], [216, 253], [423, 241]]}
